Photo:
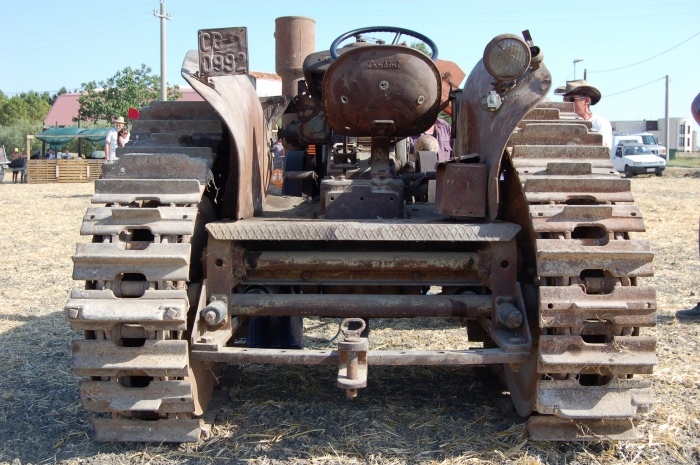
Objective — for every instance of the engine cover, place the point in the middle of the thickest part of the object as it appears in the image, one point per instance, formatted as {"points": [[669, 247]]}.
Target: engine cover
{"points": [[381, 83]]}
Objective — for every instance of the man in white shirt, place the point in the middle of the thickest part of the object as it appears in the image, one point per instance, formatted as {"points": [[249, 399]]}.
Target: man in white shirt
{"points": [[111, 139], [583, 96]]}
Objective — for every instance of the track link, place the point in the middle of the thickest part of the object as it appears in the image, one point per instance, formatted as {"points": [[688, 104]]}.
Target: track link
{"points": [[135, 306], [591, 308]]}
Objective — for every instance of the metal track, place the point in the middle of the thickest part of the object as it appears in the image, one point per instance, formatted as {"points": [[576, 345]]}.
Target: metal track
{"points": [[590, 306], [134, 308]]}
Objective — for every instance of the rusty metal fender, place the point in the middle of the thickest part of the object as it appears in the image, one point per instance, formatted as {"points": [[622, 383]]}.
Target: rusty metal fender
{"points": [[234, 99], [486, 132]]}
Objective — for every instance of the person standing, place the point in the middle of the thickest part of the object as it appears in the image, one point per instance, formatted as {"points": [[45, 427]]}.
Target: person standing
{"points": [[583, 96], [123, 136], [111, 141], [442, 132]]}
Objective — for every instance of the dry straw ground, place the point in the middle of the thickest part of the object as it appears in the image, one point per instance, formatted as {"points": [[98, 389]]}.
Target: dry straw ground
{"points": [[296, 415]]}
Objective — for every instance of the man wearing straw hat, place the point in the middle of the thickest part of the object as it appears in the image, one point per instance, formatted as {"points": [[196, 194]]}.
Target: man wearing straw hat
{"points": [[583, 96], [111, 139]]}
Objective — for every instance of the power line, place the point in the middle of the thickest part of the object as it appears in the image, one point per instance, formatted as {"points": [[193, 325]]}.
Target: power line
{"points": [[633, 88], [639, 62]]}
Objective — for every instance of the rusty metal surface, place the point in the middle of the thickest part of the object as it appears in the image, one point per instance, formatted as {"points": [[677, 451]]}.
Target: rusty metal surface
{"points": [[360, 305], [222, 51], [527, 121], [399, 84], [486, 133], [161, 220], [541, 113], [127, 430], [161, 166], [295, 38], [377, 357], [165, 191], [461, 189], [538, 155], [554, 134], [360, 230], [571, 307], [158, 396], [560, 218], [235, 100], [571, 354], [550, 428], [156, 262], [619, 398], [104, 358], [422, 262], [362, 199], [558, 257], [93, 311]]}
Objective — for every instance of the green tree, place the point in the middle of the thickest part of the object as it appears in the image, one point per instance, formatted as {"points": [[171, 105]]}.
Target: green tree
{"points": [[128, 88], [29, 106], [421, 47]]}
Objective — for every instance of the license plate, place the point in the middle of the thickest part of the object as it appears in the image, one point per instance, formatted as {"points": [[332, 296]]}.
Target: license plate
{"points": [[651, 170], [223, 52]]}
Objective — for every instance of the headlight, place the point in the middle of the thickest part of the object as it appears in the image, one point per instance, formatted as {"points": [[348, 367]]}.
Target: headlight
{"points": [[507, 57]]}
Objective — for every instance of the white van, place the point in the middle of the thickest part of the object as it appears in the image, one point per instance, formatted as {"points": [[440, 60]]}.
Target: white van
{"points": [[651, 142], [632, 157]]}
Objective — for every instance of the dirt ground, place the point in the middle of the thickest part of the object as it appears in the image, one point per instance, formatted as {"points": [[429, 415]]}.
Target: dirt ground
{"points": [[280, 415]]}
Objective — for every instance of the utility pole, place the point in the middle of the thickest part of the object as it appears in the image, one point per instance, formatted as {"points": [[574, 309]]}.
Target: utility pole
{"points": [[668, 125], [163, 72]]}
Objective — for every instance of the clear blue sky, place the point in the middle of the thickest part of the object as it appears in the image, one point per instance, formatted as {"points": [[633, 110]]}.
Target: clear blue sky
{"points": [[46, 45]]}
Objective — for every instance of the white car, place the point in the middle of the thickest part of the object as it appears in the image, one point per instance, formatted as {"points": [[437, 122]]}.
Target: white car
{"points": [[636, 158]]}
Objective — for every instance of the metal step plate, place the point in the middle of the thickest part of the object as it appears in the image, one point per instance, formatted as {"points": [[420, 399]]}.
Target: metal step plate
{"points": [[620, 398], [164, 191], [569, 306], [127, 430], [93, 357], [158, 396], [565, 218], [360, 230], [162, 220], [559, 257], [550, 428], [570, 354], [157, 262]]}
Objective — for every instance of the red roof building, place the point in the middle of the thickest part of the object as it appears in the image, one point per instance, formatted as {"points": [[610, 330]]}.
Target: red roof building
{"points": [[66, 106]]}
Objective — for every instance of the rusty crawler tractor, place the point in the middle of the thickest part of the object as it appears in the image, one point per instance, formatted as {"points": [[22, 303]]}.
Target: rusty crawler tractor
{"points": [[528, 235]]}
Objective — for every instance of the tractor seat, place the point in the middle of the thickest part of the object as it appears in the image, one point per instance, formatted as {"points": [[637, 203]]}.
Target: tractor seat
{"points": [[382, 90]]}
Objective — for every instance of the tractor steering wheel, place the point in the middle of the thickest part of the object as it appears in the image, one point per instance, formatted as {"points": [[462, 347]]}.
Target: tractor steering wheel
{"points": [[398, 30]]}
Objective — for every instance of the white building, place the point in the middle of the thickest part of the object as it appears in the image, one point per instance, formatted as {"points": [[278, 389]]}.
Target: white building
{"points": [[683, 138]]}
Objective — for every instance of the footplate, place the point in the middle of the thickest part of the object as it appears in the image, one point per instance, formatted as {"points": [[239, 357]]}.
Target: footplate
{"points": [[128, 430], [620, 398]]}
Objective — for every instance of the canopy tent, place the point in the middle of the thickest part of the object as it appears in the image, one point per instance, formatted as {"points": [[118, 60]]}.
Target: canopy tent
{"points": [[59, 137]]}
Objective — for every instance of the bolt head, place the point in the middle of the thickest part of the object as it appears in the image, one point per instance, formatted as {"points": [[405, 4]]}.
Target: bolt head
{"points": [[210, 316], [170, 313], [238, 273], [73, 313]]}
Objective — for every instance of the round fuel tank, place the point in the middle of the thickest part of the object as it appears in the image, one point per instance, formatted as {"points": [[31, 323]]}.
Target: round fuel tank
{"points": [[381, 83]]}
